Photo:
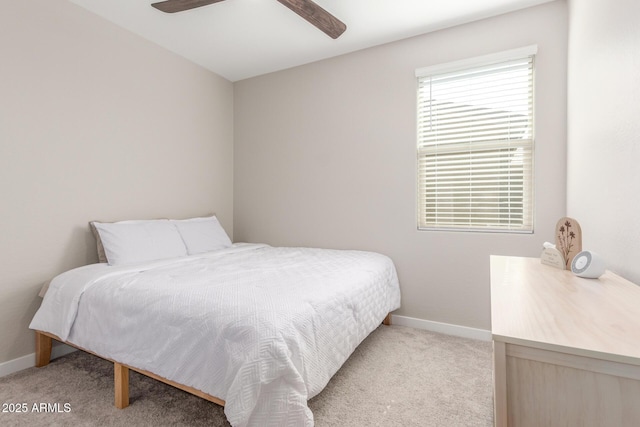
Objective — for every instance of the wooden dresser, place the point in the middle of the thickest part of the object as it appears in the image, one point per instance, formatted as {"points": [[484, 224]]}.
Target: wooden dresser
{"points": [[566, 349]]}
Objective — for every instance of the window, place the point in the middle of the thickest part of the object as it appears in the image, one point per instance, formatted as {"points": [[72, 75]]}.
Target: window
{"points": [[475, 144]]}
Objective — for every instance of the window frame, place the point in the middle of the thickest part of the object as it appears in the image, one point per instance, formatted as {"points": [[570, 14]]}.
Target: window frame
{"points": [[462, 65]]}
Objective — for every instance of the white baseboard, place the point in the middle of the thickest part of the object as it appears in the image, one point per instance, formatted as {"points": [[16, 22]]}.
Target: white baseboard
{"points": [[443, 328], [29, 361]]}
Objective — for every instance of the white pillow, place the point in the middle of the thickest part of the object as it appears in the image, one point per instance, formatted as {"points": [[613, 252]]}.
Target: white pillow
{"points": [[129, 242], [202, 234]]}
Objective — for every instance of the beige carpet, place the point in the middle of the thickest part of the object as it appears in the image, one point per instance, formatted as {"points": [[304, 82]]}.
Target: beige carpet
{"points": [[397, 377]]}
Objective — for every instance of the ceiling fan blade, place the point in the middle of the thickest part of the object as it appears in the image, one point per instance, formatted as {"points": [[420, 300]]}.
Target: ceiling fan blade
{"points": [[172, 6], [317, 16]]}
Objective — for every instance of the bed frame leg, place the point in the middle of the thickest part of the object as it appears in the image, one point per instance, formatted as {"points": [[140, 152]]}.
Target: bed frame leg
{"points": [[43, 349], [121, 385], [387, 320]]}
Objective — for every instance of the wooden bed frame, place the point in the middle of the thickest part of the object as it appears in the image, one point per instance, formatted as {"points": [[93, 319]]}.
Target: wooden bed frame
{"points": [[44, 343]]}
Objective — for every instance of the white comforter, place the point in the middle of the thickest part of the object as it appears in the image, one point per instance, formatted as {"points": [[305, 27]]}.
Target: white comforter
{"points": [[260, 327]]}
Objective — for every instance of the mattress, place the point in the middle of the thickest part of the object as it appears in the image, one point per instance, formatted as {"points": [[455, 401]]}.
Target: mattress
{"points": [[263, 328]]}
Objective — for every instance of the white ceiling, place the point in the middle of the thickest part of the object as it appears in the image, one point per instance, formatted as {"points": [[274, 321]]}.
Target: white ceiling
{"points": [[238, 39]]}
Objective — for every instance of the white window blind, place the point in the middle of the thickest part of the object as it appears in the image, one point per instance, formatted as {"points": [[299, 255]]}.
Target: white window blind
{"points": [[475, 146]]}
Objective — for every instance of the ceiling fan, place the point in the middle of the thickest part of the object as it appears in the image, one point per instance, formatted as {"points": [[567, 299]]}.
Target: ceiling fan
{"points": [[307, 9]]}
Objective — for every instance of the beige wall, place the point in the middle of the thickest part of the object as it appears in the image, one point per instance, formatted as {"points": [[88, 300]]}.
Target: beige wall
{"points": [[95, 123], [325, 156], [603, 181]]}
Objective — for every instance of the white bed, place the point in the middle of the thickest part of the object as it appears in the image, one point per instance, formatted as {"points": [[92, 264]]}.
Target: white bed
{"points": [[260, 328]]}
